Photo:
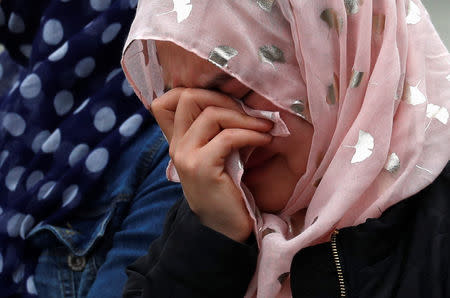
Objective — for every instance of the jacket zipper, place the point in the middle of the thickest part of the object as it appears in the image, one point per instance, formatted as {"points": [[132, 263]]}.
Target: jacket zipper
{"points": [[337, 263]]}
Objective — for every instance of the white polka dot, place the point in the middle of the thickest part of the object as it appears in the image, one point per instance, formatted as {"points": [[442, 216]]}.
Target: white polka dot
{"points": [[13, 225], [16, 24], [131, 125], [25, 49], [45, 190], [69, 195], [59, 53], [63, 102], [52, 143], [133, 3], [97, 160], [1, 71], [113, 73], [26, 226], [1, 263], [13, 177], [3, 156], [104, 119], [126, 88], [53, 32], [31, 86], [18, 274], [85, 67], [14, 124], [82, 106], [31, 287], [2, 17], [78, 153], [39, 140], [111, 32], [33, 179], [100, 5]]}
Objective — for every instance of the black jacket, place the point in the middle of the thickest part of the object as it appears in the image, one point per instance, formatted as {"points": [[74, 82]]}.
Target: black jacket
{"points": [[403, 254]]}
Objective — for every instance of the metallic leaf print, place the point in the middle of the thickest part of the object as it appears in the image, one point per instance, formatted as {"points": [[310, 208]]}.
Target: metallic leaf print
{"points": [[363, 147], [356, 79], [266, 4], [270, 54], [393, 163], [298, 107], [423, 169], [330, 17], [283, 277], [413, 95], [352, 6], [413, 15], [183, 9], [438, 113], [378, 23], [221, 55], [267, 231], [240, 164], [333, 91]]}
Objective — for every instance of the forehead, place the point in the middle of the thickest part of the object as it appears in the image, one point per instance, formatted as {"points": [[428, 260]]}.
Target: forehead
{"points": [[184, 68]]}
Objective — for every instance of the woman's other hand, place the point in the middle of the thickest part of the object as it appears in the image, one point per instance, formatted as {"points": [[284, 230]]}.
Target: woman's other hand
{"points": [[203, 128]]}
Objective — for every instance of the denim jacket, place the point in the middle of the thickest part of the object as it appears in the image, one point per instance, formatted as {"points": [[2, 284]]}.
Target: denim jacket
{"points": [[87, 255]]}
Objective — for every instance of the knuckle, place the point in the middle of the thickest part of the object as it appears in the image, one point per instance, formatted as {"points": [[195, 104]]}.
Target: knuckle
{"points": [[187, 95], [190, 165], [227, 136], [210, 112], [156, 106]]}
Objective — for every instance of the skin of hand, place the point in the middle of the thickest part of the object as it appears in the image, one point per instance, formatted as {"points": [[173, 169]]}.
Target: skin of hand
{"points": [[204, 126]]}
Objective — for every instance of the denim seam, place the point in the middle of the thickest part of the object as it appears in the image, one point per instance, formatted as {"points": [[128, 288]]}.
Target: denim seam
{"points": [[144, 165]]}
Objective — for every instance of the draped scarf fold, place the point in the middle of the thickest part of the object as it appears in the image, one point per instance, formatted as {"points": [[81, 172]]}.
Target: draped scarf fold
{"points": [[372, 77]]}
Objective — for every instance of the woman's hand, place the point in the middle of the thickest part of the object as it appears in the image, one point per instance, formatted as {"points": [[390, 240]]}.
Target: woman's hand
{"points": [[203, 127]]}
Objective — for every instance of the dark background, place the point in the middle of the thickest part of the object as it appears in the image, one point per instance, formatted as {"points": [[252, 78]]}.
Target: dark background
{"points": [[440, 15]]}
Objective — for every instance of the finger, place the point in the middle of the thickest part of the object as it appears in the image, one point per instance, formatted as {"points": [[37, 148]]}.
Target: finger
{"points": [[163, 109], [229, 140], [191, 104], [213, 120]]}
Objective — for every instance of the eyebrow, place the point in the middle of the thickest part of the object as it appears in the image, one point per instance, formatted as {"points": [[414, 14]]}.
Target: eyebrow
{"points": [[213, 83], [218, 80]]}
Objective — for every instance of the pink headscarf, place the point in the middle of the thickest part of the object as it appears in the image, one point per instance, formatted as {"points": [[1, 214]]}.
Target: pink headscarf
{"points": [[372, 77]]}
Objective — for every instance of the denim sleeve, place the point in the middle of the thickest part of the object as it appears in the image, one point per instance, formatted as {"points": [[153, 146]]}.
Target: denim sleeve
{"points": [[141, 226]]}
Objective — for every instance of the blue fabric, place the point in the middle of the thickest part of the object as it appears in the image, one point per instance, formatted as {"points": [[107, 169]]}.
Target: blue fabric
{"points": [[113, 230], [66, 120]]}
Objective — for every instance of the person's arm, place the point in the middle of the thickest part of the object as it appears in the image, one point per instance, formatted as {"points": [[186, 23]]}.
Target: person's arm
{"points": [[142, 224], [205, 253], [192, 260]]}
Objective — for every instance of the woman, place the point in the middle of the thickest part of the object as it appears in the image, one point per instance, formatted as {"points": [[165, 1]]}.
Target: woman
{"points": [[356, 97], [82, 185]]}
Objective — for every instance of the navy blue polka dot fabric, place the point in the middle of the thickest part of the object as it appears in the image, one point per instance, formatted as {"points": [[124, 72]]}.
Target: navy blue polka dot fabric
{"points": [[66, 112]]}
